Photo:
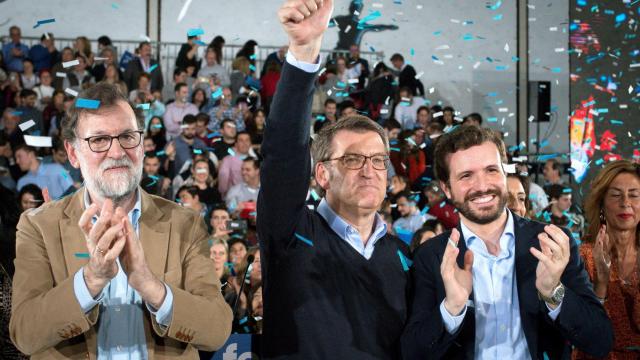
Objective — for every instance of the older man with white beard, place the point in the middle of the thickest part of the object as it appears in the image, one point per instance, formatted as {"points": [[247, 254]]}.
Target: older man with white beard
{"points": [[111, 271]]}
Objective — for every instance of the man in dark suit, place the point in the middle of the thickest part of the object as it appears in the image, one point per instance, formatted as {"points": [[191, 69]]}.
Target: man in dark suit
{"points": [[143, 63], [334, 279], [407, 75], [512, 288]]}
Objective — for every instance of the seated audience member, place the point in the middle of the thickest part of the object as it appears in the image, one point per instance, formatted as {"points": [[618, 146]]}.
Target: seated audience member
{"points": [[143, 85], [66, 55], [59, 156], [518, 197], [30, 197], [188, 197], [552, 173], [430, 229], [237, 251], [169, 89], [226, 141], [557, 213], [28, 77], [380, 94], [99, 68], [188, 54], [51, 176], [392, 128], [44, 90], [439, 206], [112, 76], [219, 253], [185, 144], [537, 196], [407, 75], [29, 111], [247, 190], [157, 132], [252, 276], [53, 112], [449, 118], [225, 110], [230, 172], [347, 108], [213, 69], [329, 116], [79, 77], [10, 120], [151, 167], [202, 133], [218, 218], [43, 54], [178, 110], [407, 158], [203, 180], [410, 217], [144, 62], [407, 109], [473, 119], [200, 100], [269, 82], [611, 252], [255, 127]]}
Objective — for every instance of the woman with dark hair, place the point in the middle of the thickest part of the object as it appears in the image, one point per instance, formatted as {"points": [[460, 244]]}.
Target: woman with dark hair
{"points": [[518, 199], [248, 51], [379, 93], [157, 132], [431, 228], [407, 158], [217, 44], [199, 98], [30, 197], [255, 127], [610, 252]]}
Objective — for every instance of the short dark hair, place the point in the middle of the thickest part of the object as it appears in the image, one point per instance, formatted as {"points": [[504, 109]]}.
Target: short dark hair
{"points": [[46, 35], [408, 195], [254, 161], [27, 92], [391, 124], [144, 75], [25, 147], [151, 154], [329, 101], [462, 138], [108, 95], [189, 119], [473, 116], [143, 43], [104, 40], [242, 133], [555, 164], [179, 86], [177, 71], [202, 117], [397, 56], [555, 191], [423, 108], [191, 189], [225, 121]]}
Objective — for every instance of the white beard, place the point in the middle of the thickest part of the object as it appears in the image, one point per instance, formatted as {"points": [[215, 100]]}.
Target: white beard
{"points": [[114, 186]]}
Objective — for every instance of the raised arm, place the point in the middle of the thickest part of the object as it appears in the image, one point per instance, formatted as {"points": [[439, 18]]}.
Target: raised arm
{"points": [[286, 168]]}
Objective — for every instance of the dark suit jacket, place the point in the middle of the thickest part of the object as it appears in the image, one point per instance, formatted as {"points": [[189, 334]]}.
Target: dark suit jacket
{"points": [[582, 321], [134, 69]]}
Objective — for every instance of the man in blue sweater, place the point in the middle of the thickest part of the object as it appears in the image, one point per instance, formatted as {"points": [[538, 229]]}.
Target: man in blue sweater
{"points": [[335, 282]]}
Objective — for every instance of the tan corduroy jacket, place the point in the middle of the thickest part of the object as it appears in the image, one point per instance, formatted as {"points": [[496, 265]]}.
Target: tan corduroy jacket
{"points": [[47, 321]]}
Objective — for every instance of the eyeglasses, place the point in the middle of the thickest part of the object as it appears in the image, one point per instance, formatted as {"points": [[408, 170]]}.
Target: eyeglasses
{"points": [[356, 161], [102, 143]]}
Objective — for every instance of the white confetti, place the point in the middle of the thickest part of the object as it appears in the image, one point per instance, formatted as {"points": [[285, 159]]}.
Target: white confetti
{"points": [[38, 141], [418, 75], [71, 92], [68, 64], [27, 125], [506, 47], [184, 9], [61, 74]]}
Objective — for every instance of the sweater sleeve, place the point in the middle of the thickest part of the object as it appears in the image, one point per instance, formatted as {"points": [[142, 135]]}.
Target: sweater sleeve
{"points": [[285, 171]]}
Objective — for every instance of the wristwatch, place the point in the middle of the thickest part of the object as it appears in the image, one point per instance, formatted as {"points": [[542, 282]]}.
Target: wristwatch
{"points": [[556, 296]]}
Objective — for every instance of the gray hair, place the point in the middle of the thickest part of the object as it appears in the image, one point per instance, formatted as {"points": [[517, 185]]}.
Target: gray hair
{"points": [[108, 95], [321, 149]]}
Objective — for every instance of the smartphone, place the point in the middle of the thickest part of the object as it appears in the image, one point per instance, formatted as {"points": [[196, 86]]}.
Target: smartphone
{"points": [[237, 225]]}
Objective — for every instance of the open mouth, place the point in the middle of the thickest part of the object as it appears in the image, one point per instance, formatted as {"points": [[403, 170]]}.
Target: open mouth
{"points": [[484, 199]]}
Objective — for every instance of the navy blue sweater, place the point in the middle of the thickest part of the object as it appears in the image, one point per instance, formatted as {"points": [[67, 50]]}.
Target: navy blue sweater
{"points": [[322, 299]]}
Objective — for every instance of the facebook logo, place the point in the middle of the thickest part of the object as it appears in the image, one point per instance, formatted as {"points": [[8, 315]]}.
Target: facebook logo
{"points": [[237, 347]]}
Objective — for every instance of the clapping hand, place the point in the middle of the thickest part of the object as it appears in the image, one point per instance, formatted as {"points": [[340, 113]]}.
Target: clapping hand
{"points": [[553, 259], [458, 282]]}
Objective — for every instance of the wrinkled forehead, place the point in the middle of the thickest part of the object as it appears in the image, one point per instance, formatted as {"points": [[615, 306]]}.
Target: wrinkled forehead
{"points": [[111, 120], [357, 142]]}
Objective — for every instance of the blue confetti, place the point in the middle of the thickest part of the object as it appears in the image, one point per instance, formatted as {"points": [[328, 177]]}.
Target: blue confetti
{"points": [[406, 262], [231, 152], [87, 103], [81, 255], [498, 17], [145, 107], [153, 67], [42, 22], [216, 94], [374, 15], [303, 239], [621, 17], [200, 42], [315, 195], [157, 126], [197, 151]]}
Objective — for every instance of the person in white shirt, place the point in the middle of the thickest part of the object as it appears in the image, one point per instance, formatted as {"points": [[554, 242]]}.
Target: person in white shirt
{"points": [[407, 109], [248, 189]]}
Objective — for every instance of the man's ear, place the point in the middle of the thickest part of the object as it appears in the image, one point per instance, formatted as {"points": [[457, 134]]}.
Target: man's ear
{"points": [[322, 175], [71, 153], [445, 188]]}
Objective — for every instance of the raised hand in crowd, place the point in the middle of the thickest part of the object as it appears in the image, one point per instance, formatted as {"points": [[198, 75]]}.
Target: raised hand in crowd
{"points": [[305, 37], [602, 260]]}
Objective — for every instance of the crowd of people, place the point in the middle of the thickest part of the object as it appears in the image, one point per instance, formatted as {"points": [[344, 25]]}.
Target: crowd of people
{"points": [[202, 141]]}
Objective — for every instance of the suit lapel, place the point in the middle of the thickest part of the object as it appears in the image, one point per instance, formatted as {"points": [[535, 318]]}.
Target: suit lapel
{"points": [[73, 242], [154, 235], [526, 264]]}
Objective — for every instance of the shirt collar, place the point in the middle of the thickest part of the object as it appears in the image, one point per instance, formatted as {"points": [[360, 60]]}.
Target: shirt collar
{"points": [[506, 242], [134, 214], [342, 228]]}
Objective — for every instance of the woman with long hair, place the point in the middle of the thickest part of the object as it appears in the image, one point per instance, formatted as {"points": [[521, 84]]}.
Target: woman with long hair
{"points": [[157, 132], [199, 99], [518, 195], [610, 252], [112, 76], [255, 127], [407, 158]]}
